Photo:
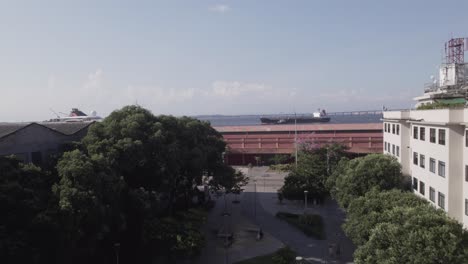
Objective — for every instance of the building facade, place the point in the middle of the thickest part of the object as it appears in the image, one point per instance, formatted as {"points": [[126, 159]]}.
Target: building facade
{"points": [[36, 142], [432, 147], [245, 143]]}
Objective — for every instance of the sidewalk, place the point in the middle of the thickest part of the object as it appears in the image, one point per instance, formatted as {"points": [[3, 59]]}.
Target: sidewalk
{"points": [[244, 245], [312, 249]]}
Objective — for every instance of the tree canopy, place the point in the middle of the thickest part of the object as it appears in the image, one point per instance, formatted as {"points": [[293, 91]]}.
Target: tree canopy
{"points": [[314, 167], [365, 212], [127, 188], [27, 227], [358, 176], [412, 233]]}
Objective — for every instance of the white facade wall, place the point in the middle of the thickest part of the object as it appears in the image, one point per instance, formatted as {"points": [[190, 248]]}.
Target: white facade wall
{"points": [[453, 185], [399, 139], [464, 169]]}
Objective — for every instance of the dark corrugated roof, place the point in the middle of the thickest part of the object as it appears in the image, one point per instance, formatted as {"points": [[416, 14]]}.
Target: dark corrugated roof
{"points": [[65, 128], [8, 128]]}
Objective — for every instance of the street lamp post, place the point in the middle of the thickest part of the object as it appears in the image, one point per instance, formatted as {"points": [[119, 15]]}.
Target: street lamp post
{"points": [[117, 247], [255, 200], [305, 199], [299, 259]]}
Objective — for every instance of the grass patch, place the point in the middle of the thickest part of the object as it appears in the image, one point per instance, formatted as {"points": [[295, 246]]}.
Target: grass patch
{"points": [[281, 256], [310, 224]]}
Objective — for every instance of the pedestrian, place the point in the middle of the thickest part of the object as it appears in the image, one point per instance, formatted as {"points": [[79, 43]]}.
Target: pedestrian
{"points": [[330, 249]]}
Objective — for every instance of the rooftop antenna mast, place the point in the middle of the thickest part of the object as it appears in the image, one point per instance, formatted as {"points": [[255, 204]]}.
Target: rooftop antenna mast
{"points": [[455, 50], [455, 55], [55, 113]]}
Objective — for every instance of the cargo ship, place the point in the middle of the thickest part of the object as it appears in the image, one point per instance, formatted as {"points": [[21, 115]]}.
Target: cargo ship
{"points": [[317, 117]]}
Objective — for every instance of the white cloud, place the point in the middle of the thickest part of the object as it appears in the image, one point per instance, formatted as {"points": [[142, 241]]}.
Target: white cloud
{"points": [[233, 89], [94, 81], [150, 95], [220, 8]]}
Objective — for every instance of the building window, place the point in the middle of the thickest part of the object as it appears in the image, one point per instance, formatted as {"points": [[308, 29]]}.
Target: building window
{"points": [[442, 136], [385, 146], [393, 149], [422, 161], [398, 151], [422, 133], [432, 194], [466, 173], [385, 127], [36, 158], [441, 168], [398, 129], [415, 184], [393, 128], [415, 132], [422, 187], [432, 135], [441, 200], [466, 206], [415, 158], [466, 138], [432, 163]]}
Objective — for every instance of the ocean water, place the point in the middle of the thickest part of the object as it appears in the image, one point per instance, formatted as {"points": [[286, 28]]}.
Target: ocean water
{"points": [[249, 120]]}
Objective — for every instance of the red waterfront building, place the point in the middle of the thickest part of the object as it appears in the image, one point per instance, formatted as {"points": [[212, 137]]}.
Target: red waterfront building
{"points": [[247, 142]]}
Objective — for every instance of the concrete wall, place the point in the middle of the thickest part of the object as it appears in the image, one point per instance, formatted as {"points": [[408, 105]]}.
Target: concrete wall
{"points": [[465, 183], [456, 170], [35, 138], [438, 115]]}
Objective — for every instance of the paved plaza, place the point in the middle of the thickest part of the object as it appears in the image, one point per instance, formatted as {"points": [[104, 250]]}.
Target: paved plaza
{"points": [[256, 210]]}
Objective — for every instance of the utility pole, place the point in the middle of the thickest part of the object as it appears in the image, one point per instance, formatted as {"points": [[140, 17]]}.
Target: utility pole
{"points": [[295, 136]]}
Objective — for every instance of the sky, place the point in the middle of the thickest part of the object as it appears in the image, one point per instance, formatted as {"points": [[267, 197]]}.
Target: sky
{"points": [[229, 57]]}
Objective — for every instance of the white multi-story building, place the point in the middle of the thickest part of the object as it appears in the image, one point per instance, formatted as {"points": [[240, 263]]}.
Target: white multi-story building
{"points": [[432, 147]]}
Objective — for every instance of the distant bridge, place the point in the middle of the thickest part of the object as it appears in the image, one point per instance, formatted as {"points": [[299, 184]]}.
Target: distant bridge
{"points": [[351, 113]]}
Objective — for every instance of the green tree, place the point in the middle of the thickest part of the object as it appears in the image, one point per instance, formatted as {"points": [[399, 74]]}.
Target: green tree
{"points": [[134, 170], [338, 170], [362, 174], [418, 234], [279, 159], [88, 198], [28, 230], [309, 175], [315, 166], [365, 212]]}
